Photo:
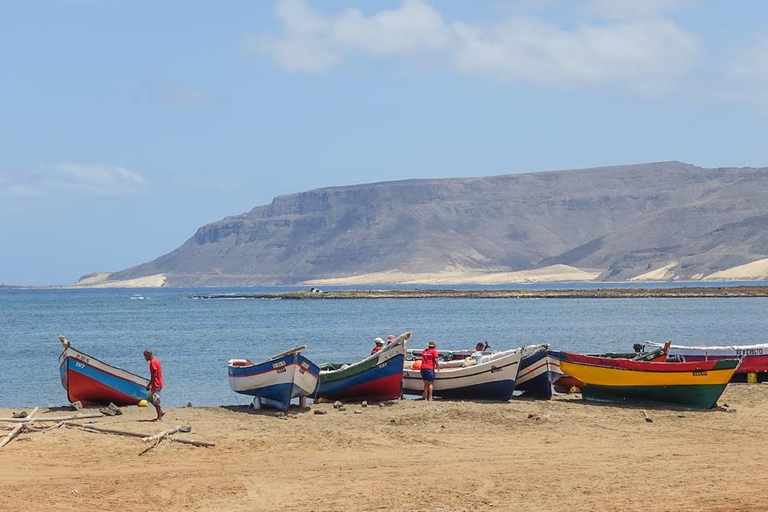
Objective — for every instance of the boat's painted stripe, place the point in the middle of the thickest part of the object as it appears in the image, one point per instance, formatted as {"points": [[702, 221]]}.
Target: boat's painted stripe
{"points": [[72, 354], [701, 396], [500, 390], [80, 377], [391, 366], [644, 366], [603, 376], [263, 368], [384, 388]]}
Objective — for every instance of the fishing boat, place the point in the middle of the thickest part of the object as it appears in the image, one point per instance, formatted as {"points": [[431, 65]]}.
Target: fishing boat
{"points": [[534, 378], [92, 382], [493, 378], [691, 384], [564, 383], [276, 381], [378, 377], [755, 357]]}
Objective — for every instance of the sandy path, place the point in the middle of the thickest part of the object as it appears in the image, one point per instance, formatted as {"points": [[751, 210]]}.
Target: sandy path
{"points": [[407, 456]]}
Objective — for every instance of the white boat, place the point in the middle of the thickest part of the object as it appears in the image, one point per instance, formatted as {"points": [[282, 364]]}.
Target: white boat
{"points": [[277, 380], [493, 378]]}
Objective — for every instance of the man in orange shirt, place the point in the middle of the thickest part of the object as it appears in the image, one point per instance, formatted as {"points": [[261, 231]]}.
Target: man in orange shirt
{"points": [[155, 382]]}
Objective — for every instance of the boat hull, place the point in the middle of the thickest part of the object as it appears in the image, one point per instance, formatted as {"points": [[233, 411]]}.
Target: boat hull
{"points": [[490, 380], [92, 382], [276, 381], [379, 377], [695, 385], [534, 377]]}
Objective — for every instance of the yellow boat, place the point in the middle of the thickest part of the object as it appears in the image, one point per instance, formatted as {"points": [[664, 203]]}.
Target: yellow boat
{"points": [[696, 384]]}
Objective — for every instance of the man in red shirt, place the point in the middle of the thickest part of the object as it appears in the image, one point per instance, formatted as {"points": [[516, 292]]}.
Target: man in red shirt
{"points": [[155, 382], [429, 366]]}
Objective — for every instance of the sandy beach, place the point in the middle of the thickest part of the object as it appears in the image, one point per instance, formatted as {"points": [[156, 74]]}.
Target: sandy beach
{"points": [[525, 455]]}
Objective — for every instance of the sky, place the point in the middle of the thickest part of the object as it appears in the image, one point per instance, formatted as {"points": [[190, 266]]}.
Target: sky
{"points": [[127, 124]]}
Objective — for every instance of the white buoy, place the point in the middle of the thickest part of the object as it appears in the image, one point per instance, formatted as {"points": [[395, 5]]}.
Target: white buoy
{"points": [[256, 404]]}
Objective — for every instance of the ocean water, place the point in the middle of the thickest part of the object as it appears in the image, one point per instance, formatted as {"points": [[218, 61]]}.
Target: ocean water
{"points": [[194, 339]]}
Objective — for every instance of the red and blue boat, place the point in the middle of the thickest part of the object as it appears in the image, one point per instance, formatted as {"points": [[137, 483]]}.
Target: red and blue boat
{"points": [[378, 377], [92, 382], [276, 381]]}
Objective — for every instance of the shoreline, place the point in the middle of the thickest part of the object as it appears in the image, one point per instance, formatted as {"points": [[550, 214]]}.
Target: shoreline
{"points": [[600, 293]]}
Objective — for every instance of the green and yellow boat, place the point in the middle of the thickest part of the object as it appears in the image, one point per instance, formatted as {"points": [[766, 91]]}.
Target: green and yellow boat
{"points": [[692, 384]]}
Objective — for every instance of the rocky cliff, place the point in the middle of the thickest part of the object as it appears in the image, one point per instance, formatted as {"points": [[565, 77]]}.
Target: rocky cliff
{"points": [[620, 222]]}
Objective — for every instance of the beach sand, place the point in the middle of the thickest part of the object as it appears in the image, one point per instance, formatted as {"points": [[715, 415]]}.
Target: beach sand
{"points": [[407, 455]]}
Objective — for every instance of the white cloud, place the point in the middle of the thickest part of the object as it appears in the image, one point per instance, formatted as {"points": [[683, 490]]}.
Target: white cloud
{"points": [[645, 53], [633, 9], [745, 78], [71, 178], [752, 63]]}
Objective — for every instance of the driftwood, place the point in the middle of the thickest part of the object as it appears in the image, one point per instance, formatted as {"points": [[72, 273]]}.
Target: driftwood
{"points": [[18, 429], [161, 435], [158, 437], [154, 441], [96, 428], [15, 432], [193, 442], [53, 418]]}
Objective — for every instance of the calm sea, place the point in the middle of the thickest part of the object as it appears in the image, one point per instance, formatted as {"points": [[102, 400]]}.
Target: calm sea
{"points": [[195, 338]]}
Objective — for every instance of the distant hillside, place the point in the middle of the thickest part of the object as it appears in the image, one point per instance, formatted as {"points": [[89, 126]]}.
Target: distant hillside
{"points": [[666, 220]]}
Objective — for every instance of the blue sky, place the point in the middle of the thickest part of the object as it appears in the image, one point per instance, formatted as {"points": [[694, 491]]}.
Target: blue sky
{"points": [[127, 124]]}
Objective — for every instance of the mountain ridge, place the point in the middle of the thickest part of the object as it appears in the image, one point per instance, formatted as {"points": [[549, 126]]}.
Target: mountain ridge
{"points": [[624, 220]]}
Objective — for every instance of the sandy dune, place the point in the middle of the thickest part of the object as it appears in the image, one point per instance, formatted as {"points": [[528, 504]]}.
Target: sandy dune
{"points": [[552, 273], [407, 456], [659, 274], [756, 270], [99, 280]]}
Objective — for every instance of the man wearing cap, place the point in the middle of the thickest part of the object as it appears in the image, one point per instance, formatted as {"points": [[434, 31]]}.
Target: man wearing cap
{"points": [[379, 344], [428, 368]]}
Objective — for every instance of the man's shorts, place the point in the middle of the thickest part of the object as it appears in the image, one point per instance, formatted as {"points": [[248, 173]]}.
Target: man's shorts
{"points": [[154, 397], [428, 375]]}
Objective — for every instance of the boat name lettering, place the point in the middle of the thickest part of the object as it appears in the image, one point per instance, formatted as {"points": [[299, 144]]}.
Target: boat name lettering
{"points": [[280, 370], [698, 372], [78, 364], [749, 352], [495, 369], [278, 365], [382, 365]]}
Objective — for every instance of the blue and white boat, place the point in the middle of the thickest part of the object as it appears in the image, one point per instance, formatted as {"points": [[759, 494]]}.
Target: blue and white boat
{"points": [[492, 378], [534, 378], [276, 381]]}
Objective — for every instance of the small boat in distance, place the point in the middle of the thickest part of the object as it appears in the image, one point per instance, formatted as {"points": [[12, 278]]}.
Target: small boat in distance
{"points": [[277, 380], [534, 378], [92, 382], [755, 357], [378, 377], [696, 385], [493, 378]]}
